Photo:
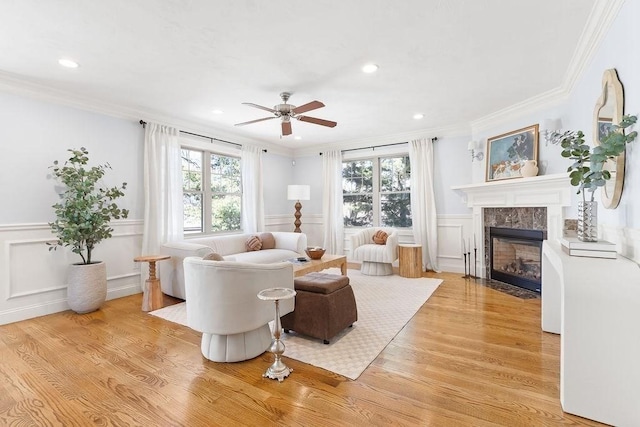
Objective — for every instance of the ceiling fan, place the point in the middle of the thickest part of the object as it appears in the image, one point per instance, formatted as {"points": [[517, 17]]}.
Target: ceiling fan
{"points": [[285, 112]]}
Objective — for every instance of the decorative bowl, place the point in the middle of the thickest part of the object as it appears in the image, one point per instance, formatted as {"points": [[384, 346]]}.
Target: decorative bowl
{"points": [[314, 253]]}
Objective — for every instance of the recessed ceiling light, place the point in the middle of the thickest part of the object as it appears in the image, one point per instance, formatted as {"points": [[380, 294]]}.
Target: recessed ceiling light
{"points": [[68, 63], [217, 112], [418, 116], [370, 68], [297, 137]]}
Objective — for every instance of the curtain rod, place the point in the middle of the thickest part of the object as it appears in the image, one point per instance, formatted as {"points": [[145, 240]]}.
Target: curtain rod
{"points": [[143, 123], [373, 147]]}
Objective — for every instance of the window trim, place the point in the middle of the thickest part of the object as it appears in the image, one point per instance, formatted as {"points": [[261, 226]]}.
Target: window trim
{"points": [[207, 208], [376, 193]]}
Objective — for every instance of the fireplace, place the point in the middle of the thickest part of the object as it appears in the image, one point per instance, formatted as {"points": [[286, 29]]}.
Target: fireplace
{"points": [[515, 256], [535, 203]]}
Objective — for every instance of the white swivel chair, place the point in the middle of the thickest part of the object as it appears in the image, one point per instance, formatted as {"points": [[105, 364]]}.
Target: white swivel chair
{"points": [[375, 259], [222, 303]]}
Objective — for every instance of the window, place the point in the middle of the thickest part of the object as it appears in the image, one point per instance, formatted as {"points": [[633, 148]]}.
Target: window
{"points": [[212, 192], [376, 192]]}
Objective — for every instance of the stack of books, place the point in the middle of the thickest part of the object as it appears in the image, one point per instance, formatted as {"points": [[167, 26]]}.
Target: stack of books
{"points": [[599, 249]]}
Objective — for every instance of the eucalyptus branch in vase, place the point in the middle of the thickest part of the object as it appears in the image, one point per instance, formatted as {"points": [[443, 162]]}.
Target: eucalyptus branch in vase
{"points": [[587, 171]]}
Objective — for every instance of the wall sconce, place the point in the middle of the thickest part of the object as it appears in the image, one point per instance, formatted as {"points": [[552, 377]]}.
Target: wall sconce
{"points": [[297, 193], [474, 156], [551, 129]]}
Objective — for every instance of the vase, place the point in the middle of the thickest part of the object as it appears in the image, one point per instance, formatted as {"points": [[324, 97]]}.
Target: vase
{"points": [[87, 286], [529, 168], [588, 221]]}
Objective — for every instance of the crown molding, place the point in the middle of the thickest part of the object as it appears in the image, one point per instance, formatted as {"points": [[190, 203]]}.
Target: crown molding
{"points": [[24, 87], [544, 100], [598, 23], [439, 132], [602, 15], [21, 86]]}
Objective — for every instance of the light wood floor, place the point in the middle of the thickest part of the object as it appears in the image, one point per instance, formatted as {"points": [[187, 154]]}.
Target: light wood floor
{"points": [[471, 356]]}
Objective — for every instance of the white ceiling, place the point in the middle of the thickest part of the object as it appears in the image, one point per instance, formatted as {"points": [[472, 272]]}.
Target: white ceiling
{"points": [[455, 61]]}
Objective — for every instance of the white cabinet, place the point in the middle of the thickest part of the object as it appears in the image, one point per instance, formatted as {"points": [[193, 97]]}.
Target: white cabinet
{"points": [[594, 304]]}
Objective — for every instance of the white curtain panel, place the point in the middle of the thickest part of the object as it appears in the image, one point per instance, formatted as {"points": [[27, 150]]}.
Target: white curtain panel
{"points": [[423, 205], [332, 202], [252, 195], [163, 204]]}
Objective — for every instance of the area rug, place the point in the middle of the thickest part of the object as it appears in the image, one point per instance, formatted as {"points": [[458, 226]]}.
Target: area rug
{"points": [[385, 305]]}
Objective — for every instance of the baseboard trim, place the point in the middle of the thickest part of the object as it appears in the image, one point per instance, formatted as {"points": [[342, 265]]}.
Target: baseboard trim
{"points": [[56, 306]]}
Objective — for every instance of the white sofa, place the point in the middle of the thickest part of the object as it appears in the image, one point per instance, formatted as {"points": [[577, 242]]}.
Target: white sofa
{"points": [[222, 303], [231, 247]]}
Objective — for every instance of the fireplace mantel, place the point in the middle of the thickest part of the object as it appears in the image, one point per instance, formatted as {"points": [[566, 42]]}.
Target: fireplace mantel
{"points": [[545, 190], [550, 191]]}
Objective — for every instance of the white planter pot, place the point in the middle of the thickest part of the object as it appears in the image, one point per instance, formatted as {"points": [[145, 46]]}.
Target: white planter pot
{"points": [[86, 286]]}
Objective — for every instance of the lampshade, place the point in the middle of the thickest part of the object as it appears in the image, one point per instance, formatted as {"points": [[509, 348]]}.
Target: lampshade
{"points": [[298, 192], [471, 145]]}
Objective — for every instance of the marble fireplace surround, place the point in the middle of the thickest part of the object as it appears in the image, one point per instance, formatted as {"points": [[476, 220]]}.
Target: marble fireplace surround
{"points": [[545, 194]]}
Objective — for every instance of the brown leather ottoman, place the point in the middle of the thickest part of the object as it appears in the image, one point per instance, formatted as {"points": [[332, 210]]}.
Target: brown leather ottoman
{"points": [[325, 305]]}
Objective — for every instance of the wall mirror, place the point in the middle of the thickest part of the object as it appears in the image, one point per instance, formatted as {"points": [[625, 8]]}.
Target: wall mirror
{"points": [[609, 111]]}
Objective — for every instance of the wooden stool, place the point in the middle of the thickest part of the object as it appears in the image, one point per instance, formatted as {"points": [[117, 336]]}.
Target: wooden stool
{"points": [[152, 296], [410, 260]]}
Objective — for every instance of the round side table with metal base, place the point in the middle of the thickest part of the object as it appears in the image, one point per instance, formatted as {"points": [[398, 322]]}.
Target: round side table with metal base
{"points": [[278, 371]]}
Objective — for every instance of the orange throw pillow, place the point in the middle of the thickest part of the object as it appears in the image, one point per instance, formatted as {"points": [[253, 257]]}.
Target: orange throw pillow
{"points": [[380, 238], [253, 244], [268, 241]]}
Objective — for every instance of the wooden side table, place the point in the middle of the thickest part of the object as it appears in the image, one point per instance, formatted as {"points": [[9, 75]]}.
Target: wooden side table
{"points": [[410, 260], [152, 295]]}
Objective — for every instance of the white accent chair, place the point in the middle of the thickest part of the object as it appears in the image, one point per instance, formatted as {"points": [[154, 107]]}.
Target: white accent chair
{"points": [[222, 303], [376, 260]]}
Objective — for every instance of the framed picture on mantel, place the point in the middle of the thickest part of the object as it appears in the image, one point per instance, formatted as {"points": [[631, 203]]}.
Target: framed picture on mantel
{"points": [[507, 153]]}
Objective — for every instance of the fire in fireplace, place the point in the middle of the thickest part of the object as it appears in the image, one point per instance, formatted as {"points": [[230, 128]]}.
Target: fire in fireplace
{"points": [[516, 256]]}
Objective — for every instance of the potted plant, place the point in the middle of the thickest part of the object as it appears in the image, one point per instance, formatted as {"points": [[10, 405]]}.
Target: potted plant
{"points": [[588, 170], [82, 221]]}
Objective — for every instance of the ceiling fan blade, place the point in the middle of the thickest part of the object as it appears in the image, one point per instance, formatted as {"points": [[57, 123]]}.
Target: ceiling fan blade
{"points": [[254, 121], [317, 121], [271, 110], [286, 128], [313, 105]]}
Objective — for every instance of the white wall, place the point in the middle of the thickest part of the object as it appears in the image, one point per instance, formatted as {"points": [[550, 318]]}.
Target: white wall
{"points": [[452, 167], [278, 173], [618, 50], [33, 135]]}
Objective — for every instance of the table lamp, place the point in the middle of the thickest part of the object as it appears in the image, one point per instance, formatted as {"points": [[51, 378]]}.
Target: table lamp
{"points": [[297, 193]]}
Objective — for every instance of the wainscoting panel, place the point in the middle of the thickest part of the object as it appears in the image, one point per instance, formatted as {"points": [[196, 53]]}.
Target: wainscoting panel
{"points": [[33, 279], [452, 229], [312, 226]]}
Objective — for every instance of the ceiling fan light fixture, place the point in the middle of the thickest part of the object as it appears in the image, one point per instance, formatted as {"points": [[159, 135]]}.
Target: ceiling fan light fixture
{"points": [[418, 116], [370, 68], [285, 112]]}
